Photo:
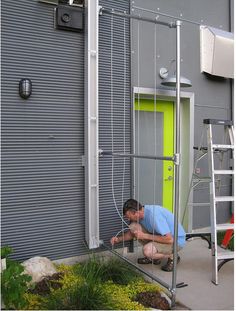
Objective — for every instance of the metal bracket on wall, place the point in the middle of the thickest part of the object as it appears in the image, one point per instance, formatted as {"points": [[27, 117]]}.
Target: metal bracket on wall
{"points": [[69, 18]]}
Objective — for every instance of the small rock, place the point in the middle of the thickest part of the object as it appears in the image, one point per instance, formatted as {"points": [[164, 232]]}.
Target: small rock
{"points": [[38, 268]]}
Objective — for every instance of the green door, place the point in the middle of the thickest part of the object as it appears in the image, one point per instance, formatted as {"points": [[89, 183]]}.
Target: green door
{"points": [[154, 134]]}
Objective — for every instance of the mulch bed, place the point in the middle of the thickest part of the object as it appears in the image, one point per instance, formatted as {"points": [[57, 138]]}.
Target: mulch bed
{"points": [[43, 287], [153, 300]]}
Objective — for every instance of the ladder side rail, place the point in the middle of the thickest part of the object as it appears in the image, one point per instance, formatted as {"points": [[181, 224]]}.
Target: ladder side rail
{"points": [[231, 134], [212, 205]]}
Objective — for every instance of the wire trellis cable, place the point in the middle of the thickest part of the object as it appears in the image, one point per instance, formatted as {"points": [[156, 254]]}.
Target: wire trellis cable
{"points": [[155, 139], [124, 131], [112, 125], [138, 131]]}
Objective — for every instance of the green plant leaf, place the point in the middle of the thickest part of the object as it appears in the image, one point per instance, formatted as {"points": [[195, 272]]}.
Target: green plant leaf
{"points": [[6, 251]]}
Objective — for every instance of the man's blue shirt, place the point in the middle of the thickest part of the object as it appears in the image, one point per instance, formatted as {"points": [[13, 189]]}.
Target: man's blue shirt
{"points": [[159, 220]]}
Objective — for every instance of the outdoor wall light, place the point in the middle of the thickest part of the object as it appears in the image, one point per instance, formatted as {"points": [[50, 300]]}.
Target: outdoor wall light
{"points": [[25, 88], [171, 81]]}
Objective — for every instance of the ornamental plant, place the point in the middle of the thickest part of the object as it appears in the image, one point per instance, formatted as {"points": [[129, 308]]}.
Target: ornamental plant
{"points": [[6, 251], [97, 269], [97, 284], [14, 284]]}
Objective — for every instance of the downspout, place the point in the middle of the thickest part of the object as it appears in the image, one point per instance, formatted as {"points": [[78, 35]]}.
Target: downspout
{"points": [[91, 124]]}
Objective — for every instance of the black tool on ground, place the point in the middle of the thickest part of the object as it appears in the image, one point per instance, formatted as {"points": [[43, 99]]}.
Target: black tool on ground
{"points": [[181, 285], [205, 236]]}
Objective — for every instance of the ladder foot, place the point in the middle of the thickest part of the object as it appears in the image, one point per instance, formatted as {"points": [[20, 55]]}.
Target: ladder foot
{"points": [[223, 262]]}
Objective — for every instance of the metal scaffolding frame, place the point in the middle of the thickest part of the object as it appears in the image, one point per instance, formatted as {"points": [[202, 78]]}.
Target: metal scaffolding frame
{"points": [[133, 155], [92, 122]]}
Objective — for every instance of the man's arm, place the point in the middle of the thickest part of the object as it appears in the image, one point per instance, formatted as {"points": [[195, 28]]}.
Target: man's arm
{"points": [[164, 239], [127, 236]]}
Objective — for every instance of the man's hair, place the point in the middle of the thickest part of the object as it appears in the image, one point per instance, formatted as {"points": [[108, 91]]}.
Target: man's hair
{"points": [[131, 204]]}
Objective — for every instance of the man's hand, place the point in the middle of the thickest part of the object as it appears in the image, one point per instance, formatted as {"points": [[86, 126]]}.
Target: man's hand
{"points": [[127, 236], [114, 240], [140, 235]]}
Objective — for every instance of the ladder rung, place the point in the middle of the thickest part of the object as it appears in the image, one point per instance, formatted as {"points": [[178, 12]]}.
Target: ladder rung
{"points": [[218, 122], [223, 172], [216, 146], [227, 226], [227, 254], [224, 199], [199, 204]]}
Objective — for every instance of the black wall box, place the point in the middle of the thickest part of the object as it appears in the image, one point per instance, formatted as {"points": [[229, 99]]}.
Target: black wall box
{"points": [[70, 18]]}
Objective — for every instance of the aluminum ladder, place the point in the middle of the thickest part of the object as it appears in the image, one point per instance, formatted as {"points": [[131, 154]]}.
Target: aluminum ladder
{"points": [[219, 255]]}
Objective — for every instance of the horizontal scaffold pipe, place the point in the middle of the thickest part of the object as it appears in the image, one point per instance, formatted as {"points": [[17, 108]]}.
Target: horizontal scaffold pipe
{"points": [[166, 15], [164, 284], [138, 17], [133, 155]]}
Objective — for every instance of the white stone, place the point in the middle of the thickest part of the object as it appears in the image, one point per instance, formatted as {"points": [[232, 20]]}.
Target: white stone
{"points": [[38, 268]]}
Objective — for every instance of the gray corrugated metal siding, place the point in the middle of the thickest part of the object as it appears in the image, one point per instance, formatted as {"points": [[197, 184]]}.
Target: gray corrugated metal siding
{"points": [[42, 137]]}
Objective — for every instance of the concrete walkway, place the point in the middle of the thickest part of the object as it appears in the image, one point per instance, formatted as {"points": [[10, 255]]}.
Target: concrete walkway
{"points": [[195, 270]]}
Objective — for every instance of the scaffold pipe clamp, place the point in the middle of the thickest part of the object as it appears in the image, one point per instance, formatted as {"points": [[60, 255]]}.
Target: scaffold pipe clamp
{"points": [[177, 159]]}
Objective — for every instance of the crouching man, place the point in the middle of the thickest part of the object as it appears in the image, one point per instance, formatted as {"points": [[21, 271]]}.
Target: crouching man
{"points": [[153, 226]]}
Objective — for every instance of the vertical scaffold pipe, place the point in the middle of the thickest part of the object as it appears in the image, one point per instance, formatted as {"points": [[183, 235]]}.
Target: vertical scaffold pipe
{"points": [[177, 162]]}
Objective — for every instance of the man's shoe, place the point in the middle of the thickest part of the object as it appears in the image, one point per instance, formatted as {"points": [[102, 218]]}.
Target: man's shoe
{"points": [[170, 264], [145, 260]]}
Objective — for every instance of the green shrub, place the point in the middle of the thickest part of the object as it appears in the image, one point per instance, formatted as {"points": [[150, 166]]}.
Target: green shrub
{"points": [[123, 296], [120, 297], [85, 296], [141, 286], [119, 272], [101, 270], [92, 269], [78, 291], [62, 299], [69, 279], [6, 251], [93, 297], [97, 284], [33, 301], [14, 285]]}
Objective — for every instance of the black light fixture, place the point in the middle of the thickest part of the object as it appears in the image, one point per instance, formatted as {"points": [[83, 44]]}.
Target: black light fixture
{"points": [[25, 88]]}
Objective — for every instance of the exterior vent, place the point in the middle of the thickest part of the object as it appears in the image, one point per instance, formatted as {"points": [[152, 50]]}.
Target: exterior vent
{"points": [[217, 52]]}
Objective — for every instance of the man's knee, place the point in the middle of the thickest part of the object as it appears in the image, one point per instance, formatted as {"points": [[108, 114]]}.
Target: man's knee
{"points": [[149, 250]]}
